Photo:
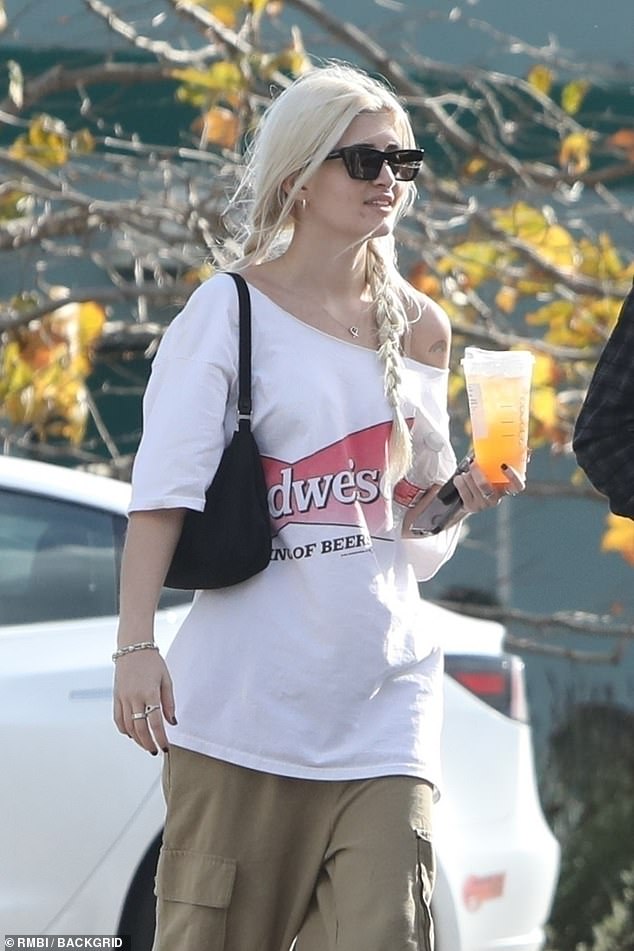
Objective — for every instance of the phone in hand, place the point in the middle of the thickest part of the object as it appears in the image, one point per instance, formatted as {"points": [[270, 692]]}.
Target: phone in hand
{"points": [[443, 508]]}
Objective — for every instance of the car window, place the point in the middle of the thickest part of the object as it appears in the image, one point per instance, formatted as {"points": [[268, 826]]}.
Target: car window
{"points": [[59, 560]]}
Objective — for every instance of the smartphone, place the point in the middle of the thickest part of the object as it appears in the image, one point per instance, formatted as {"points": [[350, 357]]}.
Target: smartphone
{"points": [[443, 508]]}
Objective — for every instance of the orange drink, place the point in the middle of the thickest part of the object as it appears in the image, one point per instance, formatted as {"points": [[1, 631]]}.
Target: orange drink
{"points": [[498, 389]]}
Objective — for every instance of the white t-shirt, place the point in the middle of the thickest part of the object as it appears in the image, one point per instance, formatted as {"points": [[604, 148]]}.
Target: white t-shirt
{"points": [[321, 666]]}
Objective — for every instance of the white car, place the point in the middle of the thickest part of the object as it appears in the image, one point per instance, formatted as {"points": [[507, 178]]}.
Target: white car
{"points": [[81, 808]]}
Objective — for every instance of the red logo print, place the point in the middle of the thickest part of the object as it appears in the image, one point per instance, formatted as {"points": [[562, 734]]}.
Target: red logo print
{"points": [[338, 485]]}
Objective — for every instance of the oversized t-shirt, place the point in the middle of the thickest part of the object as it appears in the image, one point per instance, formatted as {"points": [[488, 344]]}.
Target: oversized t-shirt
{"points": [[322, 666]]}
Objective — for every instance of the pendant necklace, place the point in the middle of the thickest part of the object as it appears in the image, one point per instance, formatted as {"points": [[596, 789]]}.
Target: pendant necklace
{"points": [[352, 329]]}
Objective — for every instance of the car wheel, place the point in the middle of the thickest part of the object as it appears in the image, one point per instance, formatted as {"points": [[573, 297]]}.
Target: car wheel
{"points": [[139, 910]]}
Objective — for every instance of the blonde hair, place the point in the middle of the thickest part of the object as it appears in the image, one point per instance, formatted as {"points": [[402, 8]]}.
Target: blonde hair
{"points": [[294, 136]]}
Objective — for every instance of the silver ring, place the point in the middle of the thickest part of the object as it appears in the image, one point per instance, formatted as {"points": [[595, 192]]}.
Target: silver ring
{"points": [[488, 495], [139, 716], [151, 707]]}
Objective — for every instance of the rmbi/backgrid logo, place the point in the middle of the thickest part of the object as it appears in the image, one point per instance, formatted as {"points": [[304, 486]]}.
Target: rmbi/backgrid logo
{"points": [[15, 942]]}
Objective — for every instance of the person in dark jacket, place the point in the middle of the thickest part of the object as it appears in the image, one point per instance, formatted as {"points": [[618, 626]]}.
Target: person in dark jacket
{"points": [[603, 439]]}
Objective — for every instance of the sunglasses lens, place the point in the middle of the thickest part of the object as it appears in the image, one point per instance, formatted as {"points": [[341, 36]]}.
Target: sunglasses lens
{"points": [[362, 164], [405, 165], [365, 164]]}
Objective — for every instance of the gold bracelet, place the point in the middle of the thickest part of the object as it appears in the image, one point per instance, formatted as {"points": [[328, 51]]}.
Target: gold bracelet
{"points": [[142, 646]]}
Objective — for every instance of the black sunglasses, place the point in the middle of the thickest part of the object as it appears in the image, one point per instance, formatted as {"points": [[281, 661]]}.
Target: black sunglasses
{"points": [[365, 163]]}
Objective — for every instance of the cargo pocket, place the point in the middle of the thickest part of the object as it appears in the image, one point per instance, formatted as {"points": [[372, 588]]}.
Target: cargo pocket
{"points": [[194, 892], [425, 863]]}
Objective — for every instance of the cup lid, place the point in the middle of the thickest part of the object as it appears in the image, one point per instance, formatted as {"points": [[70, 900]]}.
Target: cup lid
{"points": [[497, 362]]}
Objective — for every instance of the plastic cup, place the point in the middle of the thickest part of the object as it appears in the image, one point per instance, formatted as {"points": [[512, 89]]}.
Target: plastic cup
{"points": [[498, 390]]}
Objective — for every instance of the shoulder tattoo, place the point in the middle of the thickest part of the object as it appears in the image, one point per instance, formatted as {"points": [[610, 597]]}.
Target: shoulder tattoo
{"points": [[439, 347]]}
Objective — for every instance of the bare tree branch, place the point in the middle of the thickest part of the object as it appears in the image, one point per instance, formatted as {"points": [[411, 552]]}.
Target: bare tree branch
{"points": [[11, 319], [578, 622], [527, 646], [550, 53], [163, 50], [60, 79], [235, 43]]}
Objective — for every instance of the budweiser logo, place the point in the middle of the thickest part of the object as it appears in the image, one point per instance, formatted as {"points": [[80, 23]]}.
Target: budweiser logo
{"points": [[338, 485]]}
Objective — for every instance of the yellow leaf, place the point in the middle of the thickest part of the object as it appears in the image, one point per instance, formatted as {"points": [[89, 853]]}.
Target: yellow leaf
{"points": [[424, 281], [476, 260], [222, 76], [220, 126], [554, 243], [44, 367], [557, 313], [46, 142], [194, 96], [13, 204], [258, 7], [573, 94], [574, 153], [82, 142], [601, 260], [623, 140], [291, 60], [531, 287], [224, 13], [619, 537], [544, 370], [521, 220], [50, 138], [558, 247], [506, 299], [475, 165], [628, 272], [92, 318], [544, 406], [224, 10], [603, 312], [199, 274], [610, 260], [541, 78]]}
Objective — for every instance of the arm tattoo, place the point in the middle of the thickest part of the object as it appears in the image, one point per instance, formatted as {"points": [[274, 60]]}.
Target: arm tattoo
{"points": [[439, 347]]}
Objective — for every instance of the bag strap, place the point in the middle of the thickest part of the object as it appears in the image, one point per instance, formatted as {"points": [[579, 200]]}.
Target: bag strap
{"points": [[244, 353]]}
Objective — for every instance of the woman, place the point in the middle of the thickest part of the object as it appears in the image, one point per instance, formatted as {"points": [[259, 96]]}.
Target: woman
{"points": [[300, 776]]}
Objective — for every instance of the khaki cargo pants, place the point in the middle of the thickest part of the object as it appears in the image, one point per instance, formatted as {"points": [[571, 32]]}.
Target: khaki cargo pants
{"points": [[251, 860]]}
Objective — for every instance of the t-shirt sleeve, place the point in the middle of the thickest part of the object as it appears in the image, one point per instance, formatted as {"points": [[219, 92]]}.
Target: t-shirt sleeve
{"points": [[188, 401]]}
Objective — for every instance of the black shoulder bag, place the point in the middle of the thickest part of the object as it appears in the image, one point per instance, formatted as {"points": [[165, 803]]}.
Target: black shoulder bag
{"points": [[230, 540]]}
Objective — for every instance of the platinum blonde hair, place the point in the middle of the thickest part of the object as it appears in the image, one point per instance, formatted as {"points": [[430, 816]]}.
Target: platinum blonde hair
{"points": [[294, 136]]}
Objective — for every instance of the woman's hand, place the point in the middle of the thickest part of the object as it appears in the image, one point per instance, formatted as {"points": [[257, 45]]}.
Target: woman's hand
{"points": [[143, 692], [142, 685], [478, 494]]}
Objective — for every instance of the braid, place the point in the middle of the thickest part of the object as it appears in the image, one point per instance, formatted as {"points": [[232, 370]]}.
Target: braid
{"points": [[391, 326]]}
